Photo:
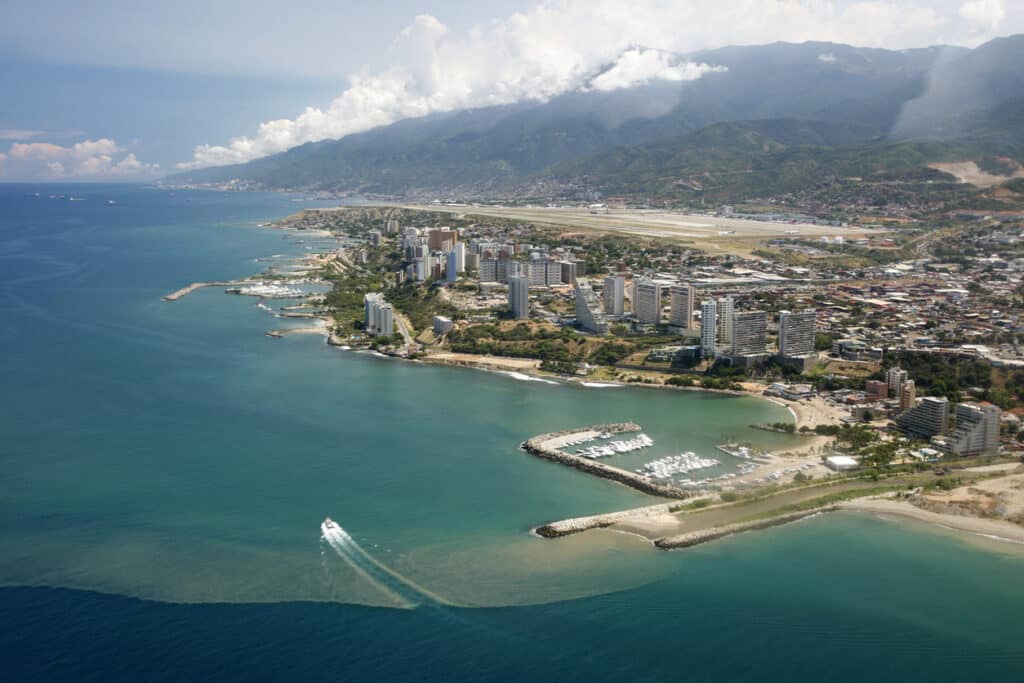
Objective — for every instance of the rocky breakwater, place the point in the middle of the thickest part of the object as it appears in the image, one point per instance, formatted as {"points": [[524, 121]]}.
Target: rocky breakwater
{"points": [[568, 527], [698, 536], [546, 446]]}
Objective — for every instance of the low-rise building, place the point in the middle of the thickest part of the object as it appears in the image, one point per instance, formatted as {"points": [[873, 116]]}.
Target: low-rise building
{"points": [[442, 325]]}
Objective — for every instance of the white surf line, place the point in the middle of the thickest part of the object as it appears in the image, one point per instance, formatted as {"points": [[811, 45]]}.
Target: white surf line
{"points": [[379, 573], [524, 377]]}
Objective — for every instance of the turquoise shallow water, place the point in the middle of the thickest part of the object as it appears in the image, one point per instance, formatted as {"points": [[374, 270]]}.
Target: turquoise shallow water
{"points": [[171, 453]]}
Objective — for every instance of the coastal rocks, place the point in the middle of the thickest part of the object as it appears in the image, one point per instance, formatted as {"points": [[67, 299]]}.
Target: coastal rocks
{"points": [[541, 447], [699, 536]]}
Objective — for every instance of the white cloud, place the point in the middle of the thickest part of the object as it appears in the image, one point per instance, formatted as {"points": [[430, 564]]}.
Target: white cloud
{"points": [[639, 66], [559, 45], [827, 57], [85, 159], [984, 16], [19, 133]]}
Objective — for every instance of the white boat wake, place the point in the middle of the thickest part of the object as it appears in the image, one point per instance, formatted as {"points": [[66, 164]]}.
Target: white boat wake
{"points": [[387, 580]]}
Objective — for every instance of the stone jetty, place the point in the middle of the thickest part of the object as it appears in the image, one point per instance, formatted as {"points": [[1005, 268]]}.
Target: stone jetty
{"points": [[185, 291], [568, 527], [546, 446]]}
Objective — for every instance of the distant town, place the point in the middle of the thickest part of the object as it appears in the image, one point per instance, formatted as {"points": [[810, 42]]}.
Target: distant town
{"points": [[899, 331]]}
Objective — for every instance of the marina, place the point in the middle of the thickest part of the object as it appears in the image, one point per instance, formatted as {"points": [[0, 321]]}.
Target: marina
{"points": [[547, 446], [267, 290], [671, 465], [616, 447], [745, 453]]}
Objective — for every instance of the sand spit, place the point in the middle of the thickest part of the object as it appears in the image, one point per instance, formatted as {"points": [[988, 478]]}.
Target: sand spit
{"points": [[698, 536]]}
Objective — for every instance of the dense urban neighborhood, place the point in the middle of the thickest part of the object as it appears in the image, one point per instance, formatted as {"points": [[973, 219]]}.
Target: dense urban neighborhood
{"points": [[913, 341]]}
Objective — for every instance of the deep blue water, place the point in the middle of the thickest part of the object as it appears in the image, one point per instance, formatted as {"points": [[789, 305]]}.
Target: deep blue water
{"points": [[165, 468]]}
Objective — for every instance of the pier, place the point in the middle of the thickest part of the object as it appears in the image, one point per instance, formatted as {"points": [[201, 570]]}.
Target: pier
{"points": [[546, 446]]}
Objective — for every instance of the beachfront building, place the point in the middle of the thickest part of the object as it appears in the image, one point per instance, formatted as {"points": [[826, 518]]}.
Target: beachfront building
{"points": [[925, 420], [615, 295], [519, 297], [726, 306], [378, 315], [681, 313], [589, 313], [748, 333], [975, 430], [708, 328], [796, 333], [647, 302]]}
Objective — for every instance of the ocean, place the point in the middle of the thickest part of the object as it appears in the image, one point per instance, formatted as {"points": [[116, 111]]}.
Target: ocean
{"points": [[166, 467]]}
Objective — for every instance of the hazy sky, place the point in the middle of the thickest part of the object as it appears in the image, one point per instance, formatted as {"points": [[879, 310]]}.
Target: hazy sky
{"points": [[127, 90]]}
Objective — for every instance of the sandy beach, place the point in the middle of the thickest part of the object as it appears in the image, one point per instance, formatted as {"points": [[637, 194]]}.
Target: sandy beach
{"points": [[990, 528]]}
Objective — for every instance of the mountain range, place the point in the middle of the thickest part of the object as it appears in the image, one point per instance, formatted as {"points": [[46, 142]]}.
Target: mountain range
{"points": [[817, 106]]}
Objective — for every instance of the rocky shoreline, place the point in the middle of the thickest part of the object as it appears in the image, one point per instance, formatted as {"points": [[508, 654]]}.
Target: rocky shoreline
{"points": [[540, 447]]}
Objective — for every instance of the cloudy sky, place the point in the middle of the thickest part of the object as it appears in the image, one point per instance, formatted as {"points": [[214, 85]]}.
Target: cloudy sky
{"points": [[126, 90]]}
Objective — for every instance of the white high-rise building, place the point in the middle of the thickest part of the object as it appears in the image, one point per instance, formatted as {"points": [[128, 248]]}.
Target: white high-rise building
{"points": [[589, 315], [378, 315], [748, 333], [519, 297], [796, 333], [708, 328], [975, 430], [385, 320], [424, 266], [725, 322], [460, 257], [615, 295], [681, 314], [647, 302], [895, 378], [370, 303]]}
